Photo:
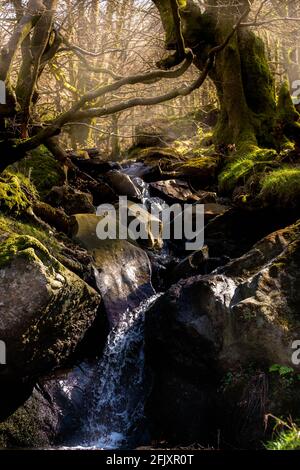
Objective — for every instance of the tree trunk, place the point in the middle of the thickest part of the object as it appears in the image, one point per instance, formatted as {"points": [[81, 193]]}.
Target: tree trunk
{"points": [[241, 73]]}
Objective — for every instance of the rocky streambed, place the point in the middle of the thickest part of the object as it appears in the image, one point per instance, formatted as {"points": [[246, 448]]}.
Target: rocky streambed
{"points": [[122, 343]]}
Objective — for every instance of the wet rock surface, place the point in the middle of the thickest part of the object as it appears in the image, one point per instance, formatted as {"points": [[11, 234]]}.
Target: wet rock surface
{"points": [[208, 326], [123, 271], [229, 313]]}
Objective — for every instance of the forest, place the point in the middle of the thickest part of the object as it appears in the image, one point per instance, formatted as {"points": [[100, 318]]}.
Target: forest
{"points": [[150, 225]]}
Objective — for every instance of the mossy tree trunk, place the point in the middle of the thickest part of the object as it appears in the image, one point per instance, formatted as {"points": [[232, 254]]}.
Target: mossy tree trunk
{"points": [[241, 73]]}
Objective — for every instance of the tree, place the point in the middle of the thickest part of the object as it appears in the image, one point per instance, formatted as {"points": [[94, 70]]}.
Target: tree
{"points": [[39, 40], [241, 73], [222, 46]]}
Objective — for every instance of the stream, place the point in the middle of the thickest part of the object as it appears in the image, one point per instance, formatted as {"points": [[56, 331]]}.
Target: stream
{"points": [[114, 388], [109, 395]]}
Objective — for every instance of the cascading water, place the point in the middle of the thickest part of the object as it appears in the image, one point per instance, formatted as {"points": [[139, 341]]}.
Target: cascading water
{"points": [[109, 395], [114, 416]]}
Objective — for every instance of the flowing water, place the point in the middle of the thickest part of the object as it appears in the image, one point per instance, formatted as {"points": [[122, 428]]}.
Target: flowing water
{"points": [[110, 395], [116, 389]]}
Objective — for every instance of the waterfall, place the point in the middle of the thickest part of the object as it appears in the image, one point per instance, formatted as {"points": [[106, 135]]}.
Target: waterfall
{"points": [[114, 399]]}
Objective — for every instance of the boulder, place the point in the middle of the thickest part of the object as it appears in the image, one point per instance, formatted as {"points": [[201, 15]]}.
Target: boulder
{"points": [[45, 309], [212, 210], [174, 191], [16, 193], [163, 132], [122, 184], [204, 327], [101, 192], [151, 135], [123, 270], [95, 167], [234, 232], [168, 163], [71, 200], [150, 225], [190, 266], [51, 411]]}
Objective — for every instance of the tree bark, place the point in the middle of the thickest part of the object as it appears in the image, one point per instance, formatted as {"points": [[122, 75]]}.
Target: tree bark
{"points": [[241, 74]]}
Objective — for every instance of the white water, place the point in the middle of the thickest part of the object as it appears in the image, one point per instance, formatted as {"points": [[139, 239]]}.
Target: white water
{"points": [[115, 395]]}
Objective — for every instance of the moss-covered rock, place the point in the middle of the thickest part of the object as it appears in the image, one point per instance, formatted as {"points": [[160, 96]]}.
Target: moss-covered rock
{"points": [[170, 162], [16, 192], [44, 171], [281, 187], [71, 200], [24, 429], [45, 308]]}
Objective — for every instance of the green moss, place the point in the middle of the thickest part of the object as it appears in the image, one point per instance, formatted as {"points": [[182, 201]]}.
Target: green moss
{"points": [[250, 161], [259, 87], [21, 245], [196, 163], [17, 236], [282, 187], [286, 109], [44, 171], [22, 430], [287, 116], [152, 153], [16, 192]]}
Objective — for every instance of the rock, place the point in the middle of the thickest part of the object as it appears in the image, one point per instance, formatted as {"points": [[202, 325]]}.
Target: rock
{"points": [[235, 231], [45, 309], [212, 210], [32, 425], [123, 184], [44, 213], [163, 132], [206, 197], [265, 304], [181, 401], [124, 277], [93, 152], [168, 163], [207, 326], [151, 225], [190, 266], [124, 270], [151, 135], [101, 192], [95, 167], [16, 193], [139, 170], [71, 200], [144, 223], [203, 170], [174, 191], [51, 411], [44, 170]]}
